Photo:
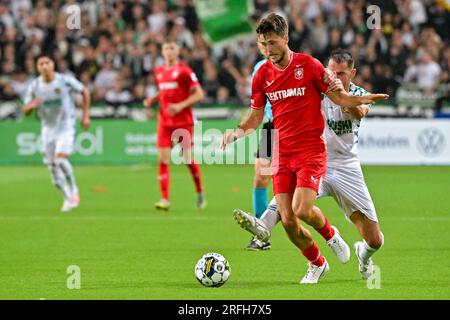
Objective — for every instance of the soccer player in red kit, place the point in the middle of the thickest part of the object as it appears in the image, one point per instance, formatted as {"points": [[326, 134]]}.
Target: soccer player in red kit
{"points": [[293, 83], [178, 90]]}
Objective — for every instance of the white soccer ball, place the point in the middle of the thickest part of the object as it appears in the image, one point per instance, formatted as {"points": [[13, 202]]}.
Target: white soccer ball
{"points": [[212, 270]]}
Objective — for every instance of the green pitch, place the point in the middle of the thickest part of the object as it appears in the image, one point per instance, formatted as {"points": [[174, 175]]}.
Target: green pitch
{"points": [[125, 249]]}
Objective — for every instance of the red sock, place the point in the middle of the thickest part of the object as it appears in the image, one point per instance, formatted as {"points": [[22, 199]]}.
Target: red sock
{"points": [[163, 177], [326, 231], [313, 255], [195, 172]]}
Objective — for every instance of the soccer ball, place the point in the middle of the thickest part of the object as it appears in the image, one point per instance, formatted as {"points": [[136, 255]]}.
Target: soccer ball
{"points": [[212, 270]]}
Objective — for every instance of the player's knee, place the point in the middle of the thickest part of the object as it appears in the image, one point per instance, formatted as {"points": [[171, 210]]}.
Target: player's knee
{"points": [[376, 241], [164, 156], [58, 160], [290, 225], [61, 155], [262, 170], [51, 167], [261, 181], [303, 212], [163, 160]]}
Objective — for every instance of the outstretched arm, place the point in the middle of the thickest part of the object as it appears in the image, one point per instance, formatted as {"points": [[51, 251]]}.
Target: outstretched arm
{"points": [[342, 98], [358, 112], [338, 95]]}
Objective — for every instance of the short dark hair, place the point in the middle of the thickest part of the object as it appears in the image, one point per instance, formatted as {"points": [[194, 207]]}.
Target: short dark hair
{"points": [[43, 55], [169, 40], [341, 55], [273, 23]]}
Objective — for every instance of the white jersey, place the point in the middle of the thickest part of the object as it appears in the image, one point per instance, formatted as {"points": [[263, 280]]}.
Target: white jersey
{"points": [[344, 180], [341, 132], [57, 112]]}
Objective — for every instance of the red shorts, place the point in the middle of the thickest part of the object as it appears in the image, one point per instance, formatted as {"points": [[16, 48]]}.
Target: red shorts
{"points": [[299, 171], [166, 135]]}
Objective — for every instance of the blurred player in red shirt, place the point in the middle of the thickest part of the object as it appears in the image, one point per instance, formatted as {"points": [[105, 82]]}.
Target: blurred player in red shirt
{"points": [[293, 84], [178, 91]]}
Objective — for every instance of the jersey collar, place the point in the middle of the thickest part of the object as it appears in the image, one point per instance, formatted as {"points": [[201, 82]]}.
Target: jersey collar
{"points": [[171, 67], [291, 55]]}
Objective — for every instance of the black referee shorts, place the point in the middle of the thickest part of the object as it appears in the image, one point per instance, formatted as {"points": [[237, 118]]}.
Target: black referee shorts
{"points": [[265, 144]]}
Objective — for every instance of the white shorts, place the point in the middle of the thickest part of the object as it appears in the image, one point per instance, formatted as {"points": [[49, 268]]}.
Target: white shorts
{"points": [[349, 190], [53, 144]]}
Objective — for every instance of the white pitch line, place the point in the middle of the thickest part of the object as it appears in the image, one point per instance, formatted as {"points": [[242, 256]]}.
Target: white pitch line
{"points": [[418, 219], [73, 216], [66, 217]]}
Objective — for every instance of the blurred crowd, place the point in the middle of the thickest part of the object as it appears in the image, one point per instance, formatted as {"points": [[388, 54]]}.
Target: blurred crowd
{"points": [[118, 45]]}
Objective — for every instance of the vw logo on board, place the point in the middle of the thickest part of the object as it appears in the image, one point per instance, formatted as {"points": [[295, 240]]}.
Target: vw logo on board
{"points": [[431, 142]]}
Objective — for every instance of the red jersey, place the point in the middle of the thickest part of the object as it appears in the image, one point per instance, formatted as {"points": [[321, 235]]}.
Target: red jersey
{"points": [[174, 85], [295, 95]]}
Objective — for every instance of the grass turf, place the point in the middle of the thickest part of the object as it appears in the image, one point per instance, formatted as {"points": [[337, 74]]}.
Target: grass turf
{"points": [[127, 250]]}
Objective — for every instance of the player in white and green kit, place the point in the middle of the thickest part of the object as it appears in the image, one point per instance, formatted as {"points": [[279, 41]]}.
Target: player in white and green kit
{"points": [[344, 180], [50, 95]]}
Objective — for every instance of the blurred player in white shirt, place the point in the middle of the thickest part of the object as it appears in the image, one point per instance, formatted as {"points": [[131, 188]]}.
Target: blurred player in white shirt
{"points": [[426, 73], [50, 95], [344, 180]]}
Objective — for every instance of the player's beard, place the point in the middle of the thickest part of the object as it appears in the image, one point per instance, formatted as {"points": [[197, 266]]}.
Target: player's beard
{"points": [[279, 60], [281, 57], [171, 61]]}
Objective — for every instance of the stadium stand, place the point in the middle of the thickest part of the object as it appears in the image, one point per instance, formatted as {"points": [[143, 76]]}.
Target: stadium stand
{"points": [[118, 46]]}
